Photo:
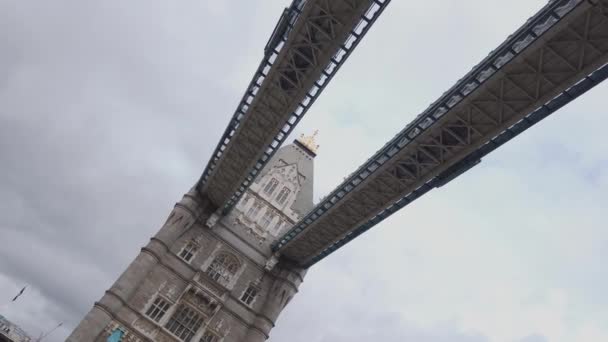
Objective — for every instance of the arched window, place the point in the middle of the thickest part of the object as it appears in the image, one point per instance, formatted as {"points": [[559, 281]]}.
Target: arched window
{"points": [[277, 227], [265, 221], [223, 268], [254, 210], [270, 186], [282, 196]]}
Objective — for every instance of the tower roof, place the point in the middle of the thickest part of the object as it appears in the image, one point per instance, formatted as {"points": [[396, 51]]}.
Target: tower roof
{"points": [[301, 153], [308, 143]]}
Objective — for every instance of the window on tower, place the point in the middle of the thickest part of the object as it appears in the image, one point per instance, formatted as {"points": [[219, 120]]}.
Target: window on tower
{"points": [[184, 323], [266, 219], [270, 186], [282, 196], [223, 268], [209, 337], [249, 295], [277, 227], [254, 210], [188, 251], [157, 310]]}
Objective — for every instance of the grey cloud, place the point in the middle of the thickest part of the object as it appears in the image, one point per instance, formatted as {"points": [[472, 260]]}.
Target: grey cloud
{"points": [[391, 328], [109, 111], [534, 338], [93, 147]]}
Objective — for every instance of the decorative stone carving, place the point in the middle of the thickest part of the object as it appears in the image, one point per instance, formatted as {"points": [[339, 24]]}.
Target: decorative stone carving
{"points": [[270, 263], [201, 301], [145, 327], [212, 220]]}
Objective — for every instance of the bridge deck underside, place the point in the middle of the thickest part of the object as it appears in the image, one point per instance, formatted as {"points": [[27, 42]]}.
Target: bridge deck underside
{"points": [[311, 40], [521, 81]]}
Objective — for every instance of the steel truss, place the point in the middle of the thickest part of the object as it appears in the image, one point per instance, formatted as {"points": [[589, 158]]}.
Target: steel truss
{"points": [[308, 46], [556, 56]]}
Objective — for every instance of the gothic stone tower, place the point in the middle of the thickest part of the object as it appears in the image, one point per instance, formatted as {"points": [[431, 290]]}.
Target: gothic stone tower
{"points": [[209, 280]]}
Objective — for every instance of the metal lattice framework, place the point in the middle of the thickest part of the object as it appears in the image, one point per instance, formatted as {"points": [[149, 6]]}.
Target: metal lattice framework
{"points": [[309, 44], [557, 55]]}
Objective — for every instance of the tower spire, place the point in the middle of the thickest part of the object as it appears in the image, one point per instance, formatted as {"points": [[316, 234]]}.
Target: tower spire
{"points": [[309, 141]]}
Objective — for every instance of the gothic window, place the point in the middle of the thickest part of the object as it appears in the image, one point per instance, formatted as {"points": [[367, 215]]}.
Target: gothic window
{"points": [[277, 226], [265, 222], [157, 310], [270, 186], [223, 268], [188, 251], [249, 295], [184, 323], [209, 337], [282, 196], [271, 227], [254, 210]]}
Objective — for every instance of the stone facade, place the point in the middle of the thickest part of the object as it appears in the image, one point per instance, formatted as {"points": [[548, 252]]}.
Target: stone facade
{"points": [[10, 332], [210, 279]]}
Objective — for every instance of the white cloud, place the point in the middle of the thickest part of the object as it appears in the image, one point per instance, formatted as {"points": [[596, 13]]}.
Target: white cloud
{"points": [[109, 112]]}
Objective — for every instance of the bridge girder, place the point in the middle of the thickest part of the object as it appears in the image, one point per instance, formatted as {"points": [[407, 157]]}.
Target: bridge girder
{"points": [[542, 66], [311, 41]]}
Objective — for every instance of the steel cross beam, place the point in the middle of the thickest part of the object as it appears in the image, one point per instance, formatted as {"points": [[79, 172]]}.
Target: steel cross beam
{"points": [[309, 44], [556, 56]]}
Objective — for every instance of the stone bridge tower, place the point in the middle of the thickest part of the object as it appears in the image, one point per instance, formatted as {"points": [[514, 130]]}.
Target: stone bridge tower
{"points": [[209, 280]]}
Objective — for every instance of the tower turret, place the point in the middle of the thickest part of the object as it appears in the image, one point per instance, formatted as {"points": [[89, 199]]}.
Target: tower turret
{"points": [[202, 279]]}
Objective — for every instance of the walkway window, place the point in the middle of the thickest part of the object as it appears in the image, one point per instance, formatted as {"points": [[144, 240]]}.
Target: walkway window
{"points": [[188, 251], [223, 268], [282, 196], [158, 309], [270, 186], [184, 323]]}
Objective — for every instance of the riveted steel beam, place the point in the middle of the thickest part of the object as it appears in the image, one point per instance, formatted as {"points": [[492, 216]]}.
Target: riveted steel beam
{"points": [[549, 59], [308, 46]]}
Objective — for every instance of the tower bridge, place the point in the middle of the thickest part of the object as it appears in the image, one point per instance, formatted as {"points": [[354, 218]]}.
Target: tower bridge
{"points": [[556, 56], [309, 44], [235, 249]]}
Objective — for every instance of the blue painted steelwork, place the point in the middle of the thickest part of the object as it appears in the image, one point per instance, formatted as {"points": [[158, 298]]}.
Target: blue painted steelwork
{"points": [[272, 49], [538, 24], [475, 157]]}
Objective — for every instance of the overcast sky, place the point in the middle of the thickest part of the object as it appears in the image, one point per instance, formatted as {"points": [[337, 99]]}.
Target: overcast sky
{"points": [[109, 111]]}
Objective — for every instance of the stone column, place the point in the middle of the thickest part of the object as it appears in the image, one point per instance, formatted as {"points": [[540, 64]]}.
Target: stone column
{"points": [[287, 280]]}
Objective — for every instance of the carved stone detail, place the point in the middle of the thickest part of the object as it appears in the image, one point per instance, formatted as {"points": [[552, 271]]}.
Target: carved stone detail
{"points": [[201, 300]]}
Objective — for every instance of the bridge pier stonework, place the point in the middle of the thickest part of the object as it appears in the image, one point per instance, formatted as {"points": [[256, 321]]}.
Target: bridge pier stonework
{"points": [[201, 279]]}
